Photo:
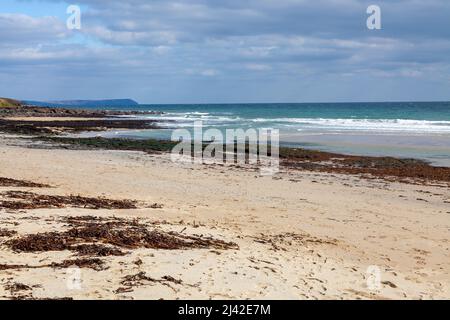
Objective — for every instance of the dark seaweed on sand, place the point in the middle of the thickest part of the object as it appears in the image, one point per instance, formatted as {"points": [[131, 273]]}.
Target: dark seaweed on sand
{"points": [[8, 182], [108, 238], [21, 200]]}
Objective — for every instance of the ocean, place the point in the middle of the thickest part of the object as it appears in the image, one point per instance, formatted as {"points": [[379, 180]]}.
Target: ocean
{"points": [[401, 129]]}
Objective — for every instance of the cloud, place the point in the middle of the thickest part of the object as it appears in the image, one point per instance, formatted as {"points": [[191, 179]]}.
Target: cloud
{"points": [[20, 29], [157, 49]]}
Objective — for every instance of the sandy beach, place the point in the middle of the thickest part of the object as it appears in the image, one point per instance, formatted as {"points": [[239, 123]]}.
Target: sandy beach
{"points": [[224, 158], [295, 235]]}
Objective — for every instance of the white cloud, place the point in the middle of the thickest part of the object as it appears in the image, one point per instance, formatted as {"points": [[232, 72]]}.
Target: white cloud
{"points": [[159, 42], [20, 29]]}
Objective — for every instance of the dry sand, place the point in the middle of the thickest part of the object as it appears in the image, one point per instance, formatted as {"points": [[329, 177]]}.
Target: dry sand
{"points": [[300, 235]]}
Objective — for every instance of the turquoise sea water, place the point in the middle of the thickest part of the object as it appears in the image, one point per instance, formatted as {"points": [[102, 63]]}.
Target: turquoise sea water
{"points": [[402, 129]]}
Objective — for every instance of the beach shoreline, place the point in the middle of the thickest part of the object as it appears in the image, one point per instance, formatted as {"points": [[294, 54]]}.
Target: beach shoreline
{"points": [[300, 234], [129, 223]]}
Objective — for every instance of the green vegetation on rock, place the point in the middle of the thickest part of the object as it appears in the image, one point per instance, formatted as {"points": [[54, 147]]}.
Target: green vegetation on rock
{"points": [[5, 102]]}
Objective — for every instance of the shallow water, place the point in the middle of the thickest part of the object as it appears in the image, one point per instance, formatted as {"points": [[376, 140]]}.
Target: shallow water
{"points": [[401, 129]]}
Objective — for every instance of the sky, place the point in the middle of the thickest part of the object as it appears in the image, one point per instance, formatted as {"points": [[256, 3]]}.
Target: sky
{"points": [[226, 51]]}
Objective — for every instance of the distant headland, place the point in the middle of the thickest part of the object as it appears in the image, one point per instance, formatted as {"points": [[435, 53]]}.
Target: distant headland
{"points": [[83, 103]]}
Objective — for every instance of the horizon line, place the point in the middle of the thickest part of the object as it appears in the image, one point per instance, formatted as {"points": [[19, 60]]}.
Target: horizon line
{"points": [[234, 103]]}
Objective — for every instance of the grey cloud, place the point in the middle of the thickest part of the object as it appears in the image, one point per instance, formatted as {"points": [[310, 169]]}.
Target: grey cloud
{"points": [[21, 29], [160, 44]]}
